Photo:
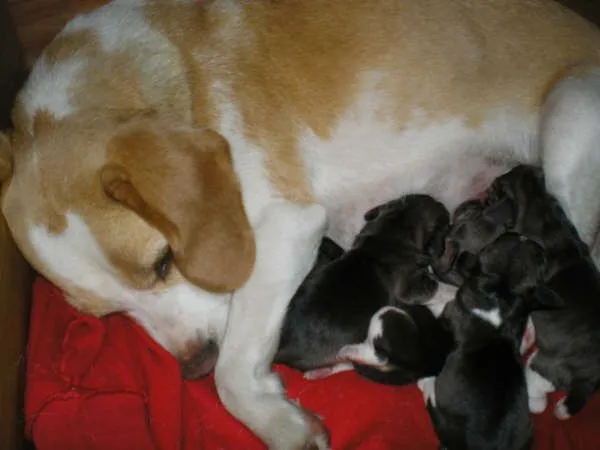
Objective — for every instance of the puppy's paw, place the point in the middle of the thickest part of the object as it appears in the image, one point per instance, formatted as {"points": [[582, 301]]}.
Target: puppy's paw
{"points": [[324, 372], [427, 387], [561, 411], [537, 405]]}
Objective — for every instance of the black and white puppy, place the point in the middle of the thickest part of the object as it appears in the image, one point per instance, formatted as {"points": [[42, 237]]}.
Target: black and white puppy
{"points": [[388, 263], [568, 341], [479, 400], [404, 344]]}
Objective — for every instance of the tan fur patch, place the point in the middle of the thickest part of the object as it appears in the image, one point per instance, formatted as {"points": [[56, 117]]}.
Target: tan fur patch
{"points": [[185, 25], [292, 65], [182, 183]]}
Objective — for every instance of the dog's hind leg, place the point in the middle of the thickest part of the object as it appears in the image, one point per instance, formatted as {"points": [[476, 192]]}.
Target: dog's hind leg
{"points": [[570, 149]]}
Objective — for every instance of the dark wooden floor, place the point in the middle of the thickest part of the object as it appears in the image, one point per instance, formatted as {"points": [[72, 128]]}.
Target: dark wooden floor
{"points": [[38, 21]]}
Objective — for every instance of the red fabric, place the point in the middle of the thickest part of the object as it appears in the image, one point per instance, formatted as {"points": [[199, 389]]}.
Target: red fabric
{"points": [[104, 384]]}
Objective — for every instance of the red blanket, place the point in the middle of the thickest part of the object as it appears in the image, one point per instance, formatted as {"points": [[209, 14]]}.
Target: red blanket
{"points": [[104, 384]]}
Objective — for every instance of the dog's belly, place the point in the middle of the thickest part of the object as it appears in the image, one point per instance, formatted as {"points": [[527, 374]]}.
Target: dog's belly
{"points": [[368, 161]]}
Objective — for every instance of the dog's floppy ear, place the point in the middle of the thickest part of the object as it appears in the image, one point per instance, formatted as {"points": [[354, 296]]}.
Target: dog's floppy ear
{"points": [[6, 166], [181, 181]]}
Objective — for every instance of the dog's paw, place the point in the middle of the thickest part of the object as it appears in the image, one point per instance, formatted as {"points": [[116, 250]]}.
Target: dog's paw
{"points": [[561, 411], [537, 405], [320, 437], [297, 429]]}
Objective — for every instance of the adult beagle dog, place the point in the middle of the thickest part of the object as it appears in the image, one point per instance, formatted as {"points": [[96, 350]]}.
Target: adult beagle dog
{"points": [[180, 161]]}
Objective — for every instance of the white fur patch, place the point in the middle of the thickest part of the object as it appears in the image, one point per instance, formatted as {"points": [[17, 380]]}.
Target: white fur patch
{"points": [[528, 337], [560, 410], [49, 87], [382, 161], [427, 387], [491, 316], [445, 293], [538, 388], [364, 353], [173, 316]]}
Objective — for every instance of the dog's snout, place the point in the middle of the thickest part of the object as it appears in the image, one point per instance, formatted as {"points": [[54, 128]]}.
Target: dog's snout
{"points": [[199, 359]]}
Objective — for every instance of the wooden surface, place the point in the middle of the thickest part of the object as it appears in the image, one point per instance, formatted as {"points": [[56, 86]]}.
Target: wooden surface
{"points": [[15, 275]]}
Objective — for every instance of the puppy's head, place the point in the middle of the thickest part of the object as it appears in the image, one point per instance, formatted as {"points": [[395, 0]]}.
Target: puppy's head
{"points": [[472, 228], [393, 345], [407, 235], [131, 212], [416, 221], [507, 283]]}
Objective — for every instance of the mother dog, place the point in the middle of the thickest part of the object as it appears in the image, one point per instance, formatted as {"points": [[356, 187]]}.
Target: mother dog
{"points": [[180, 161]]}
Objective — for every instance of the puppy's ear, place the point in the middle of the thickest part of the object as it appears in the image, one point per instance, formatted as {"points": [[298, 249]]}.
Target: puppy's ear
{"points": [[181, 181], [372, 213], [501, 212], [545, 298], [328, 251], [6, 162]]}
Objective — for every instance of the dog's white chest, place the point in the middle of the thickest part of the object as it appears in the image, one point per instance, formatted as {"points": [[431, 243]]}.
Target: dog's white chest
{"points": [[369, 160]]}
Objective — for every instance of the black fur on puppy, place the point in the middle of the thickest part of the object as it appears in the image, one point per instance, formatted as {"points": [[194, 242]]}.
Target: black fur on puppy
{"points": [[568, 341], [479, 400], [388, 263], [404, 343]]}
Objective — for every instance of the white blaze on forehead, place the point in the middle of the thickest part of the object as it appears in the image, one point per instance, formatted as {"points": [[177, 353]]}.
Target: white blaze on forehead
{"points": [[491, 316], [173, 317]]}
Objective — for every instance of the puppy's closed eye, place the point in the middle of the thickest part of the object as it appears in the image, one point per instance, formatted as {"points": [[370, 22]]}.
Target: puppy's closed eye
{"points": [[163, 264]]}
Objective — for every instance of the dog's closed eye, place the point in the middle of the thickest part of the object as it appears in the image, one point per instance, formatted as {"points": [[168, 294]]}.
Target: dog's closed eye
{"points": [[163, 264]]}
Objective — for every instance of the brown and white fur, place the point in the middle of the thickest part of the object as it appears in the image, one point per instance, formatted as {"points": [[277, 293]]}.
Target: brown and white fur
{"points": [[180, 161]]}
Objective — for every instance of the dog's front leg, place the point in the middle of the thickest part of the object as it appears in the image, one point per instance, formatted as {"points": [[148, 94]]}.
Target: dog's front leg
{"points": [[287, 240]]}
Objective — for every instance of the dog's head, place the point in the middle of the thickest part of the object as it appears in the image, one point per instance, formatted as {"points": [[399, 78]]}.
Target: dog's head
{"points": [[508, 281], [407, 234], [131, 212]]}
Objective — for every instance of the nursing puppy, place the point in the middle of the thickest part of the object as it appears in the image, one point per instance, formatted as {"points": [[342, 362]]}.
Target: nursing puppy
{"points": [[404, 344], [473, 227], [388, 263], [568, 341], [189, 186], [479, 400]]}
